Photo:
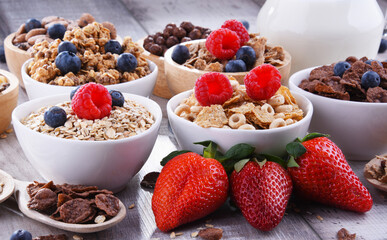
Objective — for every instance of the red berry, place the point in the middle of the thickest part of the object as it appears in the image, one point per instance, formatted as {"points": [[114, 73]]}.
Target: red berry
{"points": [[262, 82], [212, 88], [92, 101], [237, 27], [223, 43]]}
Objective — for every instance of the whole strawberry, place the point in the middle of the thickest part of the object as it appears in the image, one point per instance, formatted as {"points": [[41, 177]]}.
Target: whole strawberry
{"points": [[262, 193], [189, 187], [324, 175]]}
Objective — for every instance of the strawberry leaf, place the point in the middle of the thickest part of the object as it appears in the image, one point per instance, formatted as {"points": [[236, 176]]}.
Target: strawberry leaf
{"points": [[172, 155], [238, 152], [210, 151], [292, 162], [273, 158], [295, 149], [239, 165], [261, 163], [313, 135]]}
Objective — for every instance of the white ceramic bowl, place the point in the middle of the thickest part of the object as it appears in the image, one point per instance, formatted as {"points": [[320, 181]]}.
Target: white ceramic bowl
{"points": [[106, 164], [358, 128], [271, 141], [142, 86]]}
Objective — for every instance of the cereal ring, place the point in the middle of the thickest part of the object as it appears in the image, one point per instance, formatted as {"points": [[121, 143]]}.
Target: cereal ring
{"points": [[247, 127], [236, 120], [289, 121], [279, 115], [196, 109], [267, 108], [182, 108], [190, 117], [284, 108], [276, 100], [278, 122], [226, 127]]}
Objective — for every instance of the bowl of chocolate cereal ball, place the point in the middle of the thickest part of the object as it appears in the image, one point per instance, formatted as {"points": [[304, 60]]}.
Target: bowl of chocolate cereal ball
{"points": [[17, 45], [230, 50], [350, 104], [9, 91], [223, 111], [92, 137], [86, 55]]}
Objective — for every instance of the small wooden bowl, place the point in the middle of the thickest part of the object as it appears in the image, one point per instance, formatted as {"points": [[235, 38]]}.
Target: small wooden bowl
{"points": [[8, 100], [180, 78], [161, 88], [15, 57]]}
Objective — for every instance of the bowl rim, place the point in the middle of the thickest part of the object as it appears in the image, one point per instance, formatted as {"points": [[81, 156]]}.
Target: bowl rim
{"points": [[12, 80], [168, 59], [296, 77], [23, 70], [8, 43], [157, 114], [307, 117]]}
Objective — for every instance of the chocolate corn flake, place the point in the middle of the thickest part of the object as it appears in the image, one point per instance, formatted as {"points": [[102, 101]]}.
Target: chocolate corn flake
{"points": [[108, 203], [75, 210]]}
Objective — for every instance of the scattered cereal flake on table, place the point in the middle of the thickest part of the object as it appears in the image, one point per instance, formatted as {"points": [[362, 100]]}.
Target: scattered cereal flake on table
{"points": [[209, 225], [3, 136], [131, 206], [100, 219], [344, 234], [179, 234], [77, 237], [211, 233], [9, 130], [319, 218], [173, 235], [194, 234]]}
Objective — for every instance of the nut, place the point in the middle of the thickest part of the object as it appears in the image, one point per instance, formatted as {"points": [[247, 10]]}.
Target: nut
{"points": [[85, 19], [33, 39], [64, 23], [49, 19], [112, 29], [34, 32], [20, 38], [21, 30]]}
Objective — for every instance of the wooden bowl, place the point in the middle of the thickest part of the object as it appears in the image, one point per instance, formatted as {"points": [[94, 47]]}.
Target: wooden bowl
{"points": [[15, 57], [8, 100], [180, 78], [161, 88]]}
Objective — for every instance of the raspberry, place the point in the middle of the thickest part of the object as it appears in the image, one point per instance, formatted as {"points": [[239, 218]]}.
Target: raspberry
{"points": [[92, 101], [212, 88], [223, 43], [262, 82], [237, 27]]}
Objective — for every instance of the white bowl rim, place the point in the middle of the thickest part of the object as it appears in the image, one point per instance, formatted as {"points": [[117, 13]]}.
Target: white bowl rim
{"points": [[26, 63], [157, 116], [293, 78], [306, 118]]}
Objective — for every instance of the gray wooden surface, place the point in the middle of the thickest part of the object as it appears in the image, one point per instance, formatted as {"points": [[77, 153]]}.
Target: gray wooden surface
{"points": [[137, 18]]}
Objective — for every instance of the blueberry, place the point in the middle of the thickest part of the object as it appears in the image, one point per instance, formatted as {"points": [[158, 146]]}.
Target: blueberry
{"points": [[67, 46], [180, 54], [246, 54], [370, 79], [126, 62], [113, 46], [369, 61], [21, 235], [68, 62], [2, 54], [56, 31], [340, 68], [55, 117], [246, 24], [73, 92], [236, 66], [382, 46], [117, 98], [32, 23]]}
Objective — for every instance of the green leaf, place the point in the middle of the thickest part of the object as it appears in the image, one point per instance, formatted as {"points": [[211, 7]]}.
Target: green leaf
{"points": [[239, 165], [238, 152], [272, 158], [204, 143], [292, 162], [295, 149], [261, 163], [172, 155], [313, 135], [211, 150]]}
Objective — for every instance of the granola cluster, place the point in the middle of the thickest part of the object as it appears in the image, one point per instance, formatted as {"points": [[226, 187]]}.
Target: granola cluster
{"points": [[202, 59], [126, 121], [97, 65], [242, 112]]}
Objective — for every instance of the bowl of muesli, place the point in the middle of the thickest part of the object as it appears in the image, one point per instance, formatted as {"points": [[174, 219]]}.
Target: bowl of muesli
{"points": [[95, 58], [268, 125], [9, 91], [350, 104], [104, 152]]}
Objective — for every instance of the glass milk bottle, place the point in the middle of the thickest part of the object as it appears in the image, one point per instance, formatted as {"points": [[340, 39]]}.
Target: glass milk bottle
{"points": [[318, 32]]}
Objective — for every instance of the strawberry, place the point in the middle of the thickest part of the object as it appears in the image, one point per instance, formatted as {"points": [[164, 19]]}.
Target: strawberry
{"points": [[189, 187], [261, 192], [324, 175]]}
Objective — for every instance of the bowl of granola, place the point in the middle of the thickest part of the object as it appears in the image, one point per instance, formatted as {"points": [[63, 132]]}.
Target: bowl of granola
{"points": [[9, 90], [181, 77], [88, 55], [268, 125], [106, 151], [17, 45], [353, 111]]}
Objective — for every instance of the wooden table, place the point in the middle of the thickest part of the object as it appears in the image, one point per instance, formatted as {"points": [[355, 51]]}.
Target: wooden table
{"points": [[138, 18]]}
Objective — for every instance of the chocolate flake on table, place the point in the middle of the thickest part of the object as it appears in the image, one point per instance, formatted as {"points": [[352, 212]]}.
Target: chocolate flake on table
{"points": [[72, 203], [378, 170], [51, 237], [211, 233], [149, 180], [344, 234]]}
